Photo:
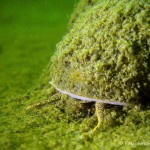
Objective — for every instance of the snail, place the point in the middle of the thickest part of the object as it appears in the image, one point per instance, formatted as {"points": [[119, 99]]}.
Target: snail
{"points": [[105, 57]]}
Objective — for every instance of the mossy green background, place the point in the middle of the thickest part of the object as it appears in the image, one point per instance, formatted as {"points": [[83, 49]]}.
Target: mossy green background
{"points": [[29, 31]]}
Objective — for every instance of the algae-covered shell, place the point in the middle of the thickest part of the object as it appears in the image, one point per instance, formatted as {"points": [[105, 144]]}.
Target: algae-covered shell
{"points": [[106, 54]]}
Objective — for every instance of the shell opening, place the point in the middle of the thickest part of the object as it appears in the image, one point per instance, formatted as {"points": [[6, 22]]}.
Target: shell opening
{"points": [[87, 98]]}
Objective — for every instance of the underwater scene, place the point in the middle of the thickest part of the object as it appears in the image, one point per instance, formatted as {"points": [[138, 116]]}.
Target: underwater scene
{"points": [[75, 75]]}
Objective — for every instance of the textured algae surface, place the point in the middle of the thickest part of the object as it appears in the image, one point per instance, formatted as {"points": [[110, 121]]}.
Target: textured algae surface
{"points": [[66, 124], [106, 54]]}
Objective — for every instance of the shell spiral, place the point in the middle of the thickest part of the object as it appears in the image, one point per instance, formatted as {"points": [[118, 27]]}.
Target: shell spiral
{"points": [[106, 54]]}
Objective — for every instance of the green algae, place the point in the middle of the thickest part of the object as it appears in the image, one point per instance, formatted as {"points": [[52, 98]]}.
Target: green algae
{"points": [[106, 53], [67, 123]]}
